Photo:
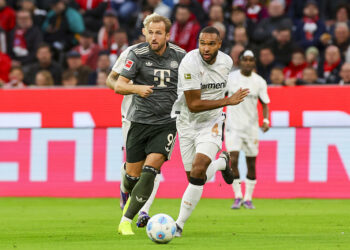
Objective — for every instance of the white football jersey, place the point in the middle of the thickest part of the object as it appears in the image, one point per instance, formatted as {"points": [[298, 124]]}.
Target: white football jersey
{"points": [[244, 116], [118, 68], [195, 74]]}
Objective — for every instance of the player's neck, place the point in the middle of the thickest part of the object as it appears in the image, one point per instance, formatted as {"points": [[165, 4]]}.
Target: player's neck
{"points": [[161, 51]]}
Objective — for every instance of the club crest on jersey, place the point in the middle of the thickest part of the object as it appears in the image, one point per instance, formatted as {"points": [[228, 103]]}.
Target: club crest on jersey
{"points": [[128, 64], [149, 64], [188, 76], [174, 64]]}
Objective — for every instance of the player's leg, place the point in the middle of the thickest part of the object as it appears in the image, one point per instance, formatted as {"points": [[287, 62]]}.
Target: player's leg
{"points": [[221, 164], [250, 183], [236, 185], [159, 146], [234, 144], [205, 153], [124, 195], [143, 214], [251, 146]]}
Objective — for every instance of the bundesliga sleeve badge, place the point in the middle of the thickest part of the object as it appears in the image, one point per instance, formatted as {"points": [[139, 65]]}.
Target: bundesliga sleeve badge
{"points": [[128, 64], [188, 76]]}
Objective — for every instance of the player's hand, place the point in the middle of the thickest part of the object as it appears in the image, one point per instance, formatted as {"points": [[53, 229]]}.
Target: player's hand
{"points": [[238, 97], [265, 127], [144, 90]]}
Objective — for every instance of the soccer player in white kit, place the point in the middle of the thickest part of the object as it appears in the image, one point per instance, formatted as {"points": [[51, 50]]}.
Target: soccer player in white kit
{"points": [[242, 127], [124, 195], [203, 75]]}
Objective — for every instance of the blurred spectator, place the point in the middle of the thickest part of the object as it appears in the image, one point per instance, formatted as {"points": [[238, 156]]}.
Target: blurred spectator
{"points": [[61, 25], [330, 68], [185, 29], [256, 11], [309, 76], [276, 77], [3, 42], [216, 14], [225, 44], [195, 9], [87, 49], [92, 11], [5, 67], [69, 79], [342, 40], [345, 74], [103, 64], [110, 25], [101, 78], [24, 39], [7, 16], [45, 62], [120, 44], [15, 78], [127, 10], [310, 28], [282, 46], [75, 65], [240, 36], [43, 78], [312, 57], [238, 18], [265, 63], [38, 15], [266, 29], [136, 33], [329, 10], [296, 9], [160, 8], [342, 16], [296, 66], [234, 54]]}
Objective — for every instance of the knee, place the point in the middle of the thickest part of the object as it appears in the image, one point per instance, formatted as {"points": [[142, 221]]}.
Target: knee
{"points": [[198, 171]]}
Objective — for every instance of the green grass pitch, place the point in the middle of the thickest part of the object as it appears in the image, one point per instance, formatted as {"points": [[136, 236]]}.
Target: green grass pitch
{"points": [[49, 223]]}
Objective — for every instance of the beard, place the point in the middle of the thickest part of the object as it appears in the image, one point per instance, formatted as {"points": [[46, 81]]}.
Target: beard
{"points": [[211, 58]]}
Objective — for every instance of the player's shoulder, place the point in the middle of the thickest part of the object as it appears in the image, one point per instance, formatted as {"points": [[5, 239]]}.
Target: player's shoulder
{"points": [[234, 74], [192, 57], [140, 49], [224, 57], [259, 78], [176, 49]]}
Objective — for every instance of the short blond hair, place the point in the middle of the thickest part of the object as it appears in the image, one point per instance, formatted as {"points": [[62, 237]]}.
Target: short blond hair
{"points": [[156, 19]]}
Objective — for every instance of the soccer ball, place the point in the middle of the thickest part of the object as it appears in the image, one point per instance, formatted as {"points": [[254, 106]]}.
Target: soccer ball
{"points": [[161, 228]]}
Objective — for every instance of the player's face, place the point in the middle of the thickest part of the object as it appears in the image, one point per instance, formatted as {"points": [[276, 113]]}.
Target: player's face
{"points": [[247, 64], [156, 36], [209, 45]]}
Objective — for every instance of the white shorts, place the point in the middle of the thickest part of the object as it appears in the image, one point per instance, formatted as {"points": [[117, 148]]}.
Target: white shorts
{"points": [[125, 129], [235, 142], [207, 141]]}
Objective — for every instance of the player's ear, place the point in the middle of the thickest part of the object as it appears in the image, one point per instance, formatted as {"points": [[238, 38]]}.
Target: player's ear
{"points": [[144, 31], [167, 36]]}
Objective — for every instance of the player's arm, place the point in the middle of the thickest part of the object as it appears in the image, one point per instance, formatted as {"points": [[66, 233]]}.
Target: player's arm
{"points": [[196, 104], [266, 123], [123, 87], [112, 79]]}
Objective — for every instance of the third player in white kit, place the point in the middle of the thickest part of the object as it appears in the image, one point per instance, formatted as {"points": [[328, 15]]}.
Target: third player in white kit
{"points": [[242, 126], [202, 84]]}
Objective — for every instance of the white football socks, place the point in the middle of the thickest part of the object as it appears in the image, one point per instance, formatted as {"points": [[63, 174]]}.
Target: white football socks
{"points": [[189, 201], [122, 174], [236, 185], [249, 189], [150, 200], [218, 164]]}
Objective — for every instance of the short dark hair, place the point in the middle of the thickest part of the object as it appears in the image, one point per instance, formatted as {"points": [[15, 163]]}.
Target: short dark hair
{"points": [[210, 30], [43, 45]]}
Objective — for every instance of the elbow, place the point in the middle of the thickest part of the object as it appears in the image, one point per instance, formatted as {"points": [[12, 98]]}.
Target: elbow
{"points": [[193, 108]]}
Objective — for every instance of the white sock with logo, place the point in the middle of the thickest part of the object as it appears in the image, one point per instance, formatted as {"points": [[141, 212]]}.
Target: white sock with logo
{"points": [[249, 189], [189, 201], [236, 185], [218, 164], [150, 200]]}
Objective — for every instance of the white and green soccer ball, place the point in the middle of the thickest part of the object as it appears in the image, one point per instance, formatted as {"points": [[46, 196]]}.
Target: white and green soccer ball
{"points": [[161, 228]]}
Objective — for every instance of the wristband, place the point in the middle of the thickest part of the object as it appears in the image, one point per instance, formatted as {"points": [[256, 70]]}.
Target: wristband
{"points": [[266, 121]]}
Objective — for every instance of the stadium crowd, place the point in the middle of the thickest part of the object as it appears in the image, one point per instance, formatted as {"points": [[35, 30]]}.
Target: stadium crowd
{"points": [[70, 43]]}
